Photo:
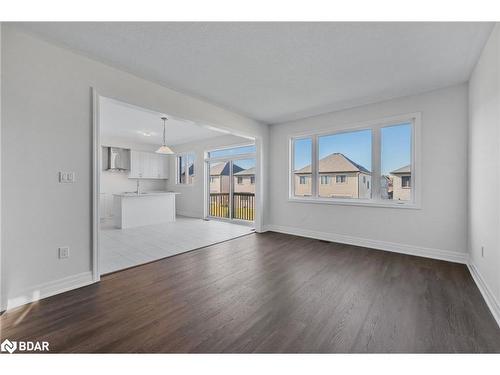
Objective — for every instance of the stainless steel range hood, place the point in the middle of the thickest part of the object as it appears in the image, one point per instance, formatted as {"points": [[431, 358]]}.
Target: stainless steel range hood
{"points": [[116, 158]]}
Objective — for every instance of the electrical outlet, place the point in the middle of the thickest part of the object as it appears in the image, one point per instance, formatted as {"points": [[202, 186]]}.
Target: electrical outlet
{"points": [[66, 177], [482, 251], [64, 252]]}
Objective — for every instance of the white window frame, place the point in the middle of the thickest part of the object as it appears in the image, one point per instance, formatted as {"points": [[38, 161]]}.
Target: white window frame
{"points": [[231, 158], [375, 126], [177, 168]]}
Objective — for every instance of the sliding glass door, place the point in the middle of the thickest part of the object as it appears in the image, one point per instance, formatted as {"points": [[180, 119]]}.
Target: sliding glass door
{"points": [[243, 198], [231, 183]]}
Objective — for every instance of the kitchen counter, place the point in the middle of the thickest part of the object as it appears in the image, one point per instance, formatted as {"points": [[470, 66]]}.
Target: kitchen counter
{"points": [[144, 194], [148, 208]]}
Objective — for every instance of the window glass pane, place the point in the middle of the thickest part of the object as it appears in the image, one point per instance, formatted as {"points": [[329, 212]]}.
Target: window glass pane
{"points": [[302, 160], [345, 161], [219, 189], [396, 168], [244, 189], [185, 163], [190, 168], [232, 151], [181, 169]]}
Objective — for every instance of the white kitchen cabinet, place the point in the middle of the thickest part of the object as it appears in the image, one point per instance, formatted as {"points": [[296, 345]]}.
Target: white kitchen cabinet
{"points": [[148, 165]]}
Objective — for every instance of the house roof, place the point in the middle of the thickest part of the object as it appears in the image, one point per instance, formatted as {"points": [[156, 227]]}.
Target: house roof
{"points": [[402, 170], [222, 169], [246, 172], [334, 163]]}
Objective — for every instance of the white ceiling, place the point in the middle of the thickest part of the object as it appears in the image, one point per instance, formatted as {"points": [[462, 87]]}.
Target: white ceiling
{"points": [[276, 72], [138, 125]]}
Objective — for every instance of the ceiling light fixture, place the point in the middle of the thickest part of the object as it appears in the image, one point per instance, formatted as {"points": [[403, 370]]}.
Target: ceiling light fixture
{"points": [[164, 149]]}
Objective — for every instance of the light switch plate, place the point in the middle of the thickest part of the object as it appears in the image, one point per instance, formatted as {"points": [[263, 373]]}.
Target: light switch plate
{"points": [[66, 177], [63, 252]]}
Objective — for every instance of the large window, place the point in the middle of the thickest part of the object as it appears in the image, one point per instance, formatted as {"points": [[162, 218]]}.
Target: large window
{"points": [[375, 164], [185, 168]]}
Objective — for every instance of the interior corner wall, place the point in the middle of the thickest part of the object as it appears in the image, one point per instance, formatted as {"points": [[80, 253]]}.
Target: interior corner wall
{"points": [[190, 202], [46, 128], [437, 230], [484, 172]]}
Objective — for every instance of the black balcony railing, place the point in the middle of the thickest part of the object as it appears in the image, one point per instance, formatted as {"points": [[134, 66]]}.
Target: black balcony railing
{"points": [[243, 205]]}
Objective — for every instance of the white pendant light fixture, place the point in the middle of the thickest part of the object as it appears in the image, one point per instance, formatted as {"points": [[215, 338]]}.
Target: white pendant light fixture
{"points": [[164, 149]]}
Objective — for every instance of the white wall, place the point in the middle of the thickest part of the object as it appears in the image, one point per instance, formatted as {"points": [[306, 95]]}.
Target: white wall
{"points": [[191, 200], [47, 127], [438, 229], [484, 171]]}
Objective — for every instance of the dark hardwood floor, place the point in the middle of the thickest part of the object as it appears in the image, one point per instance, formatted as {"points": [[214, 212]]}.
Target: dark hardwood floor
{"points": [[268, 293]]}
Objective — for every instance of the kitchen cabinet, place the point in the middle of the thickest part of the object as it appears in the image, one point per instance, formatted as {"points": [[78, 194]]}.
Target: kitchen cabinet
{"points": [[148, 165]]}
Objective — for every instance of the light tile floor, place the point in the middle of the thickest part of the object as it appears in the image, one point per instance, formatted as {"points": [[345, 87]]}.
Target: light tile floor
{"points": [[124, 248]]}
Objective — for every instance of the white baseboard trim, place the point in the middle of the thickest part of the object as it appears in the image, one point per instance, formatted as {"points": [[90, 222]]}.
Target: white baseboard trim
{"points": [[48, 289], [488, 296], [450, 256]]}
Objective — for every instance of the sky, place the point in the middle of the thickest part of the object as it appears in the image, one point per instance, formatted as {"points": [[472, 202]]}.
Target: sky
{"points": [[395, 147]]}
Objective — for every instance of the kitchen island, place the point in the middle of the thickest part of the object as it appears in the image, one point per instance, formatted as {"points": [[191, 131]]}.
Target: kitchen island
{"points": [[146, 208]]}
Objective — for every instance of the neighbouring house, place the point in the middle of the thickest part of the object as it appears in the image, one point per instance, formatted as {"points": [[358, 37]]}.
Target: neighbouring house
{"points": [[219, 176], [244, 181], [401, 183], [190, 175], [339, 177]]}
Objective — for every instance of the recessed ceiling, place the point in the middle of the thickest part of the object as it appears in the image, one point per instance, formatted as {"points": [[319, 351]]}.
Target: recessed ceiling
{"points": [[123, 121], [276, 72]]}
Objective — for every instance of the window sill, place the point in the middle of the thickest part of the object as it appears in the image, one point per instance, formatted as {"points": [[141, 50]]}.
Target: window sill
{"points": [[357, 202]]}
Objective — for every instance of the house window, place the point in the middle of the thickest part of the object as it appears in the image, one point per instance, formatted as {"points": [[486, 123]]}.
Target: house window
{"points": [[212, 179], [240, 180], [302, 159], [406, 181], [341, 179], [252, 180], [325, 180], [184, 169], [389, 179]]}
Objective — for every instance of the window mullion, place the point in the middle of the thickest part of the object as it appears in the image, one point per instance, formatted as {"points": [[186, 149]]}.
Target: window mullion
{"points": [[314, 167], [376, 164]]}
